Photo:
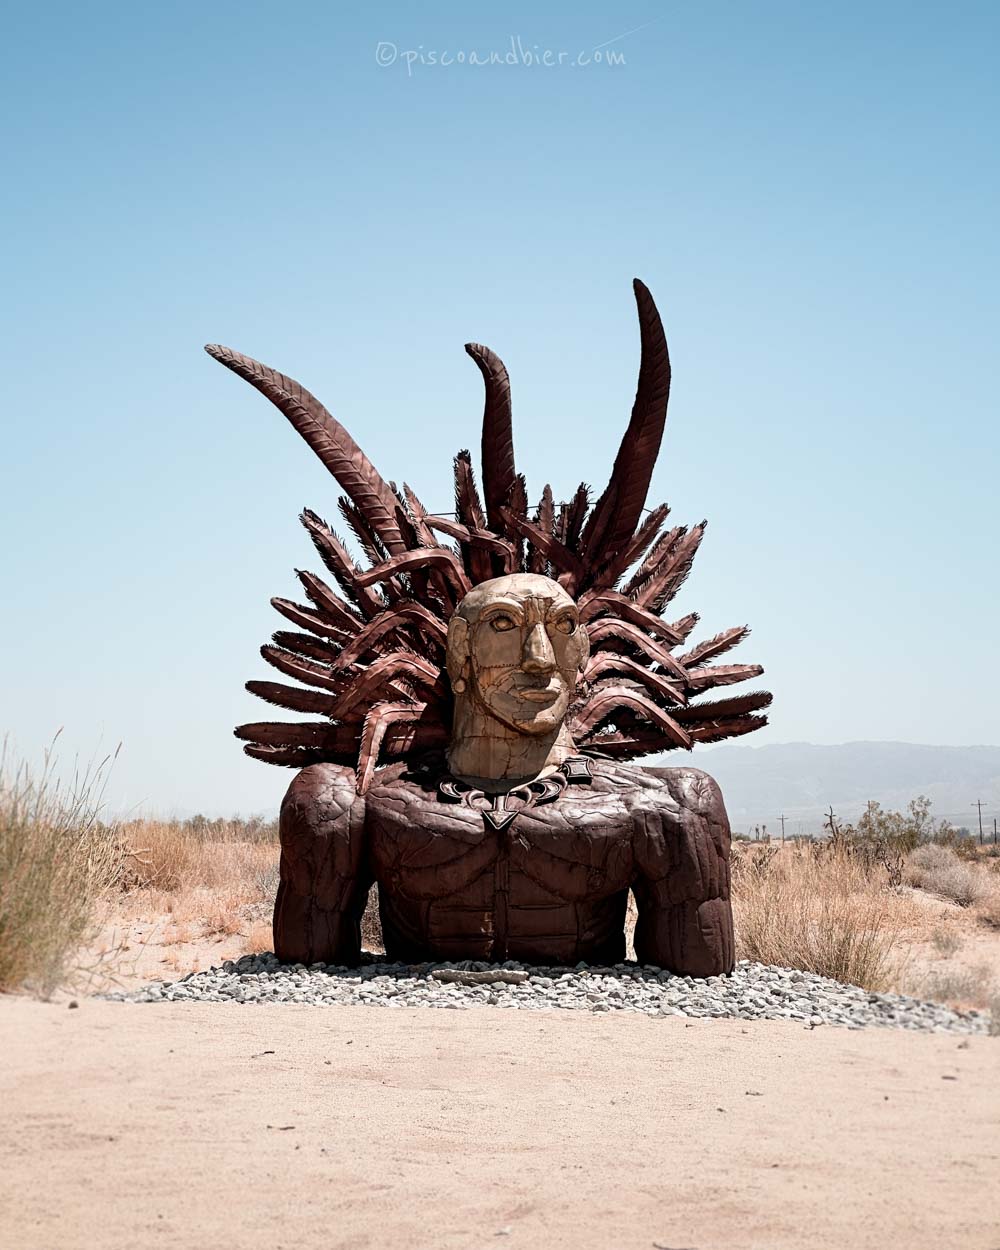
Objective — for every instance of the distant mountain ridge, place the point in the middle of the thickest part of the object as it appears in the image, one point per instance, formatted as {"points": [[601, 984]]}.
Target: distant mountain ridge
{"points": [[802, 779]]}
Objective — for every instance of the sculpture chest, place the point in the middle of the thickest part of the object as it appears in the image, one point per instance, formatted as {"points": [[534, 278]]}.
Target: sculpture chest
{"points": [[548, 882]]}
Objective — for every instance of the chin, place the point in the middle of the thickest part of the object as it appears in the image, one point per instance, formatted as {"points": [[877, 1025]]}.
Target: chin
{"points": [[545, 721], [537, 728]]}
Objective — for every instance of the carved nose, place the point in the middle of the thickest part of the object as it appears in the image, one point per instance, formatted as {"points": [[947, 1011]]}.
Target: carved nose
{"points": [[538, 656]]}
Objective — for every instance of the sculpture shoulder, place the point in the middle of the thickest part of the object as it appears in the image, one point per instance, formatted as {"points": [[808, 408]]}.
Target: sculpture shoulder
{"points": [[680, 829], [321, 793], [413, 782], [691, 788], [681, 791]]}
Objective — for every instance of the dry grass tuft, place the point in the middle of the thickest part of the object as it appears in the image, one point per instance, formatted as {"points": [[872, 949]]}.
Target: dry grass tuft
{"points": [[957, 985], [988, 910], [56, 861], [938, 870], [820, 909], [211, 878], [946, 941]]}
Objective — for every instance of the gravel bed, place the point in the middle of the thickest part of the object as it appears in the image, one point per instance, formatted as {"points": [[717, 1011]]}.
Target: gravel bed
{"points": [[753, 992]]}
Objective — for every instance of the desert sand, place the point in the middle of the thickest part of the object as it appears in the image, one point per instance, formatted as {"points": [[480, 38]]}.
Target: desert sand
{"points": [[211, 1125]]}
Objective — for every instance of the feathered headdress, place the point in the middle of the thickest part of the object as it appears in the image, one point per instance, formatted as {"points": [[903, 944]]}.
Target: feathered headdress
{"points": [[372, 657]]}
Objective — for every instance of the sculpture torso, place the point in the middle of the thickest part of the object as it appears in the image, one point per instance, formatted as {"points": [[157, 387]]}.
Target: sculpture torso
{"points": [[550, 886]]}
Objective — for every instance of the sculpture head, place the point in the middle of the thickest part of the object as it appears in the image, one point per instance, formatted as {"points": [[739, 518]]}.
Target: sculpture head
{"points": [[514, 642], [515, 649]]}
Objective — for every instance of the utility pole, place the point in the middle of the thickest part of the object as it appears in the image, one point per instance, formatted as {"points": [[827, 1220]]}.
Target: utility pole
{"points": [[994, 831], [782, 819], [979, 803]]}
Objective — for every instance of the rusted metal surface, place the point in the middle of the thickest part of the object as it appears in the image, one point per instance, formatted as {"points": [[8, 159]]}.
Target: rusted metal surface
{"points": [[369, 654]]}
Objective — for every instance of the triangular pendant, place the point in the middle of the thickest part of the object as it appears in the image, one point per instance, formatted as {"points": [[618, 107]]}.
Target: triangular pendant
{"points": [[497, 820]]}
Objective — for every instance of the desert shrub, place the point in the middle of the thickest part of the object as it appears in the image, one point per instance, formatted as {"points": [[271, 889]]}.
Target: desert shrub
{"points": [[988, 910], [939, 870], [946, 941], [56, 861], [901, 831], [173, 855], [957, 985], [823, 913], [230, 829], [930, 858]]}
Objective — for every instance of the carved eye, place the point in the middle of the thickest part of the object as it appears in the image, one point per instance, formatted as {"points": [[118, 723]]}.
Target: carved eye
{"points": [[502, 623], [566, 625]]}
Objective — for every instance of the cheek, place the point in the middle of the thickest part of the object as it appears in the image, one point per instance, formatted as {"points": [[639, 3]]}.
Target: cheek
{"points": [[491, 649], [569, 650]]}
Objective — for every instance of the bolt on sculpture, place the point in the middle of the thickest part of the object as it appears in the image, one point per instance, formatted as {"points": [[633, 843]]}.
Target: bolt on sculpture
{"points": [[477, 697]]}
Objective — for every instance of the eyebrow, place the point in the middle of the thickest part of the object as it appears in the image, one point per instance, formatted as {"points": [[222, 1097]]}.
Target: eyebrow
{"points": [[541, 605], [505, 605]]}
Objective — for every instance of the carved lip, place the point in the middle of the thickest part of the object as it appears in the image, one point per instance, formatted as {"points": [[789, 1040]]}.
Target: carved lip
{"points": [[538, 694]]}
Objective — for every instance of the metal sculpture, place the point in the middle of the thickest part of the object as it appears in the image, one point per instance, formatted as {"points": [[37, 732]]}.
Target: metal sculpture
{"points": [[476, 698]]}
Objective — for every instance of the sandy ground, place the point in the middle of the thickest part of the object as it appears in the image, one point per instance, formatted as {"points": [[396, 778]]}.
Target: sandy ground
{"points": [[215, 1125]]}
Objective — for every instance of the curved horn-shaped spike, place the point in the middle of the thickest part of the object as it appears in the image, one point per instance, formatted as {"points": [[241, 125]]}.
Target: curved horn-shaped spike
{"points": [[613, 698], [617, 512], [433, 627], [498, 435], [436, 557], [328, 439], [604, 662]]}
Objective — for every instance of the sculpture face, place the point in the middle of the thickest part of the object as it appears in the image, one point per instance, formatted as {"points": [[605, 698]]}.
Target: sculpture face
{"points": [[516, 646]]}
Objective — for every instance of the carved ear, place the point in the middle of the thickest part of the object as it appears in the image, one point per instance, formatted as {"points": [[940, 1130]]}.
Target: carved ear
{"points": [[457, 655]]}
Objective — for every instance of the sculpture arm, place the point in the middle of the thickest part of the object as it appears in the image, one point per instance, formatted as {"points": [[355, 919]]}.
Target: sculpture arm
{"points": [[681, 887], [324, 876]]}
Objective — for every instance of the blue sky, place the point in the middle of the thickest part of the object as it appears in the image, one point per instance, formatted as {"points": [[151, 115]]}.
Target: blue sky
{"points": [[809, 191]]}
